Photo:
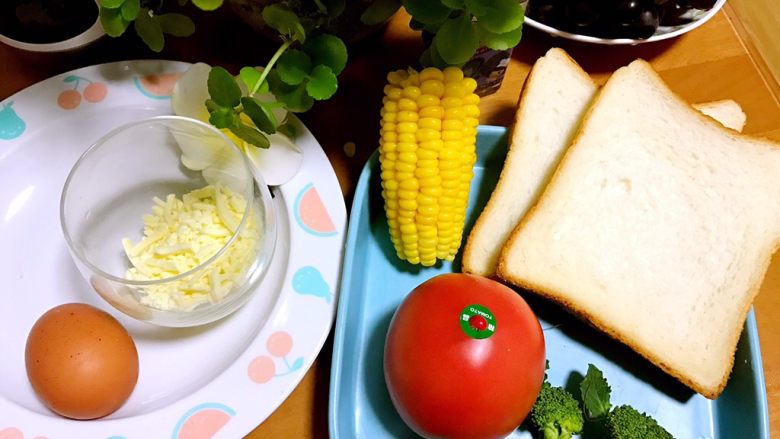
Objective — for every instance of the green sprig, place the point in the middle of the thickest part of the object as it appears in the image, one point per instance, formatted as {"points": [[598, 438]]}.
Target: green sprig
{"points": [[303, 69], [148, 20]]}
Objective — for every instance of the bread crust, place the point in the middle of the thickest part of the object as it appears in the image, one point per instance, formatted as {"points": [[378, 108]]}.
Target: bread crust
{"points": [[504, 181], [560, 298]]}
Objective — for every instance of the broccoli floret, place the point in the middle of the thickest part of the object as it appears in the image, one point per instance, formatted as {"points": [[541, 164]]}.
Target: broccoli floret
{"points": [[556, 413], [625, 422]]}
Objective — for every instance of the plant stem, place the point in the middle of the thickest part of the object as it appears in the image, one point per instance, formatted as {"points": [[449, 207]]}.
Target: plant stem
{"points": [[270, 64], [321, 6]]}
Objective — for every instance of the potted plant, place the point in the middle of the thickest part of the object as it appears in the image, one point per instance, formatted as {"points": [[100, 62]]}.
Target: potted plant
{"points": [[475, 34]]}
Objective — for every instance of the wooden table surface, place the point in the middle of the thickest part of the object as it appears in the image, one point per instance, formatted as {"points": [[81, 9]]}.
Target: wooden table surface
{"points": [[713, 62]]}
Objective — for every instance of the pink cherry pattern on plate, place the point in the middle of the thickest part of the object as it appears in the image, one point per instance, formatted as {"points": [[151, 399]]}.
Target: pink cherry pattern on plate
{"points": [[70, 99], [262, 368], [11, 433], [279, 344]]}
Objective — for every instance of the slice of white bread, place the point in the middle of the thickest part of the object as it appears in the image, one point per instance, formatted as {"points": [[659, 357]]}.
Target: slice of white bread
{"points": [[657, 228], [555, 97]]}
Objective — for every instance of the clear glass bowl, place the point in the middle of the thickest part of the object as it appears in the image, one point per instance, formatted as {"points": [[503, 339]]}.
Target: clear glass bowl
{"points": [[194, 261]]}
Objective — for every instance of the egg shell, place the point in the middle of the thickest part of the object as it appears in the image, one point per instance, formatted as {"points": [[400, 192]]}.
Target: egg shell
{"points": [[81, 361]]}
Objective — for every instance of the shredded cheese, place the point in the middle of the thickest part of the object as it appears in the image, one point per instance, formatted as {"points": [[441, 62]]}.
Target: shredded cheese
{"points": [[181, 234]]}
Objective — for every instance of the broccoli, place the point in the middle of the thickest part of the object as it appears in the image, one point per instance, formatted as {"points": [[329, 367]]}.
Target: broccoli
{"points": [[556, 413], [625, 422]]}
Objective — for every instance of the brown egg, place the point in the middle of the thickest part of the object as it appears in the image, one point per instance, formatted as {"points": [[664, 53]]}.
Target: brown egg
{"points": [[81, 361]]}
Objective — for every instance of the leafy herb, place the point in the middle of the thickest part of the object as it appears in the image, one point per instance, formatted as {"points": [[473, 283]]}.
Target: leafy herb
{"points": [[303, 69], [151, 24], [595, 393]]}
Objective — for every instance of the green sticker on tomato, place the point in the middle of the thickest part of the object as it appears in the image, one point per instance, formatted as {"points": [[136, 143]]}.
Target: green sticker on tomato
{"points": [[477, 321]]}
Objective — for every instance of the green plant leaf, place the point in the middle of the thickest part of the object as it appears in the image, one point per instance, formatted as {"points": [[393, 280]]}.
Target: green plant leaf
{"points": [[503, 41], [111, 4], [431, 58], [595, 393], [177, 25], [416, 25], [287, 130], [454, 4], [379, 11], [250, 76], [427, 11], [212, 106], [294, 97], [223, 88], [112, 22], [497, 16], [293, 66], [130, 9], [284, 21], [262, 116], [457, 40], [250, 134], [207, 5], [322, 83], [222, 117], [328, 50], [148, 28], [334, 8]]}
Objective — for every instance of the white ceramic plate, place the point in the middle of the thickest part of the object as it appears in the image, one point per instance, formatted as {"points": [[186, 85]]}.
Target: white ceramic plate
{"points": [[221, 380], [663, 33]]}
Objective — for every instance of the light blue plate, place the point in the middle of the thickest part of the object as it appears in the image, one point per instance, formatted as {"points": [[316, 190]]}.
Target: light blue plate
{"points": [[374, 282]]}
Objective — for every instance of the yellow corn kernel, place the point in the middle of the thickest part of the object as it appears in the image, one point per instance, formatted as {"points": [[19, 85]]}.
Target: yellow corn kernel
{"points": [[425, 154], [412, 92], [451, 102], [426, 100], [403, 147], [406, 137], [435, 112], [411, 184], [471, 99], [452, 74], [432, 87], [406, 127], [404, 116], [454, 90], [454, 113], [393, 93], [407, 104], [431, 73], [469, 85], [407, 157], [433, 145], [430, 123], [427, 134]]}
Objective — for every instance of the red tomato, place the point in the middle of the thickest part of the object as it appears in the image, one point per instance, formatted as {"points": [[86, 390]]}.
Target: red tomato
{"points": [[464, 358]]}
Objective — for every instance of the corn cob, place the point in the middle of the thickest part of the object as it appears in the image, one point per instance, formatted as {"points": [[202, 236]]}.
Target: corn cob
{"points": [[427, 152]]}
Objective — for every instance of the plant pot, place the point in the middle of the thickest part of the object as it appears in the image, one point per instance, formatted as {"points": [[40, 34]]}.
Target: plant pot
{"points": [[487, 67]]}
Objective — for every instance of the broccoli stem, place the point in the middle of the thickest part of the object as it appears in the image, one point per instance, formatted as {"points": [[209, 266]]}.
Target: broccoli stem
{"points": [[552, 432]]}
